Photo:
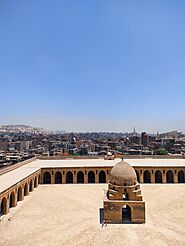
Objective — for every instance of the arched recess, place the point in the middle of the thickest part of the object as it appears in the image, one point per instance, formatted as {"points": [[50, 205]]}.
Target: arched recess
{"points": [[181, 178], [26, 192], [169, 177], [31, 186], [69, 177], [91, 177], [35, 182], [3, 206], [137, 174], [47, 178], [58, 178], [126, 214], [80, 177], [158, 177], [102, 177], [20, 194], [147, 177], [12, 200]]}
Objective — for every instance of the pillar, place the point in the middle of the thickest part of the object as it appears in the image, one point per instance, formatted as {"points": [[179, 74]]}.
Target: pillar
{"points": [[37, 181], [96, 177], [85, 177], [15, 200], [175, 176], [152, 178], [141, 177], [164, 178], [75, 178], [52, 177]]}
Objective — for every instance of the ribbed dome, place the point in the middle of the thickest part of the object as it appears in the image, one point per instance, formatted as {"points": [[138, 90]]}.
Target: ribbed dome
{"points": [[123, 174]]}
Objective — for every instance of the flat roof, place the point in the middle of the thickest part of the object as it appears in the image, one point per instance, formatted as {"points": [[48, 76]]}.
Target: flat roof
{"points": [[11, 178], [107, 163]]}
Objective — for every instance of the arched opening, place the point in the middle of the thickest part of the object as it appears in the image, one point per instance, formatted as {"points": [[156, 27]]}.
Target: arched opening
{"points": [[47, 178], [80, 177], [126, 214], [31, 186], [19, 194], [91, 177], [12, 200], [3, 206], [158, 177], [102, 177], [26, 190], [39, 181], [147, 178], [58, 178], [69, 177], [181, 178], [35, 182], [169, 177], [137, 174]]}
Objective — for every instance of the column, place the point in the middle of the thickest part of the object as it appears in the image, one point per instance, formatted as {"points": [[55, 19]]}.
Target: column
{"points": [[175, 178], [52, 177], [75, 178], [164, 178], [141, 177], [152, 178], [85, 177], [96, 177]]}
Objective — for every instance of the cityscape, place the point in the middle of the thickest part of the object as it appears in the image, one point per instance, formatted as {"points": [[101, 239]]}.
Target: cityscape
{"points": [[18, 143]]}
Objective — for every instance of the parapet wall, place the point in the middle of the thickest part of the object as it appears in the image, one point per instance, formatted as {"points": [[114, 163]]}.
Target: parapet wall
{"points": [[120, 156], [4, 170]]}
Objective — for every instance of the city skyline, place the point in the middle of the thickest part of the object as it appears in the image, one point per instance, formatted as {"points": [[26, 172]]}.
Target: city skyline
{"points": [[99, 66]]}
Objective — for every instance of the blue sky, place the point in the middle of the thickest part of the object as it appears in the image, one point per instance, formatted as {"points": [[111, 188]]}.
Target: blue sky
{"points": [[98, 65]]}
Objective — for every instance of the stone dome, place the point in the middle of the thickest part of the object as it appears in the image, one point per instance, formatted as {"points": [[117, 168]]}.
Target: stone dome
{"points": [[109, 153], [123, 174]]}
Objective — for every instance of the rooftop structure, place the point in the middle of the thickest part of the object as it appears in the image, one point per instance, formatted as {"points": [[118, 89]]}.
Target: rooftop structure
{"points": [[124, 202]]}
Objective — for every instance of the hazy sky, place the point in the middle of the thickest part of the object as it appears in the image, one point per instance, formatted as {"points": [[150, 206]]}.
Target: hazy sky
{"points": [[100, 65]]}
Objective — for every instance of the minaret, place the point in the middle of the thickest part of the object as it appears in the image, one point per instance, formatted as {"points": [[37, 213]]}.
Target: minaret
{"points": [[134, 130]]}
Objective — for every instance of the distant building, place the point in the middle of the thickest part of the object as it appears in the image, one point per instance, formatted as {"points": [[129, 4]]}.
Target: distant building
{"points": [[144, 138]]}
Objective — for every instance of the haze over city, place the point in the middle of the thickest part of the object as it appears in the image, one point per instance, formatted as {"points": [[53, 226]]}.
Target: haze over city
{"points": [[93, 66]]}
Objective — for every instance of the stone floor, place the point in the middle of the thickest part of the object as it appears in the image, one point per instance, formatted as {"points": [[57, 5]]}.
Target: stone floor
{"points": [[69, 215]]}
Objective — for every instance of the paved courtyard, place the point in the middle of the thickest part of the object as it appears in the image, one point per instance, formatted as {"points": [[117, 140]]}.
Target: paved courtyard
{"points": [[69, 215]]}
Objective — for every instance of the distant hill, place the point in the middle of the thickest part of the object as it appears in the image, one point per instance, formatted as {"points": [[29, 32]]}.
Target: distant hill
{"points": [[21, 128]]}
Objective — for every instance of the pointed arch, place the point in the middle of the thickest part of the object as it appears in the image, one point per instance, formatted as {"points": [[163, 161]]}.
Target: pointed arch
{"points": [[3, 207], [169, 177], [26, 192], [12, 200], [102, 177], [91, 177], [80, 177], [31, 186], [158, 177], [126, 214], [35, 182], [58, 178], [69, 177], [20, 194], [47, 178], [181, 178], [147, 176]]}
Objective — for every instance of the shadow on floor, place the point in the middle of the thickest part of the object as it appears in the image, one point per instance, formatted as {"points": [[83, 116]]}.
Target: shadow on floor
{"points": [[101, 215]]}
